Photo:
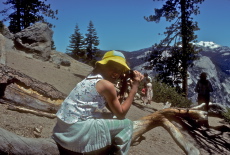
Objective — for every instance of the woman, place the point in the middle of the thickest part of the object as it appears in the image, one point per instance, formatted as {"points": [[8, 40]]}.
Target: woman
{"points": [[203, 88], [149, 92], [81, 127], [144, 94]]}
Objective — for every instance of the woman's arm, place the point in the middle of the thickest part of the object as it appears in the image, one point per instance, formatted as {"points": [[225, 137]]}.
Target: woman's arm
{"points": [[108, 90]]}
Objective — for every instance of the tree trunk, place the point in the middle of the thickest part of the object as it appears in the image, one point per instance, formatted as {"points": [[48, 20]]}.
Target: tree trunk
{"points": [[28, 92], [11, 143], [184, 47]]}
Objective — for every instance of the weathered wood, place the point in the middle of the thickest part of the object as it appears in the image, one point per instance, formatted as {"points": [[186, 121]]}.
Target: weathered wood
{"points": [[215, 109], [185, 145], [35, 112], [160, 118], [28, 92], [11, 143], [146, 123], [32, 89], [24, 80]]}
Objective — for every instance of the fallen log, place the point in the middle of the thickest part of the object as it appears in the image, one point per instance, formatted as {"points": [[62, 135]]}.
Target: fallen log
{"points": [[11, 143], [14, 144], [215, 109], [212, 107], [161, 118], [35, 112], [26, 91]]}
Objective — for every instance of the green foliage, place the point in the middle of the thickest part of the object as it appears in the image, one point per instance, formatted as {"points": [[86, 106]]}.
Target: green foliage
{"points": [[76, 47], [84, 49], [167, 63], [91, 42], [26, 13], [53, 47], [226, 115], [163, 93], [182, 33]]}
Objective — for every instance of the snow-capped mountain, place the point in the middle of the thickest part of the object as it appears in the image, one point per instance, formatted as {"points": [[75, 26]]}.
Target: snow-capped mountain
{"points": [[214, 60], [207, 44]]}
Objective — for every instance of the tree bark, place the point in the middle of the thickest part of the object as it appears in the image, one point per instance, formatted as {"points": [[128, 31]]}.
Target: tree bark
{"points": [[28, 92], [35, 112], [11, 143], [34, 90]]}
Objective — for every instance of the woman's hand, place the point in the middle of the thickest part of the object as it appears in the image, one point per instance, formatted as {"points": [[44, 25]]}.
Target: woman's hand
{"points": [[138, 77], [107, 89]]}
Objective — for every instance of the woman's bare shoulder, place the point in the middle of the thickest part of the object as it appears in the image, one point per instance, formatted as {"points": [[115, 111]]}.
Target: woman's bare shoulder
{"points": [[104, 85]]}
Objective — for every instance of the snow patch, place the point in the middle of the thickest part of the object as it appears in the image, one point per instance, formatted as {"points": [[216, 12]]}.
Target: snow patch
{"points": [[209, 44], [224, 54]]}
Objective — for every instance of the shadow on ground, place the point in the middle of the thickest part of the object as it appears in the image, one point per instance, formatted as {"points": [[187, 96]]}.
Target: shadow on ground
{"points": [[212, 139]]}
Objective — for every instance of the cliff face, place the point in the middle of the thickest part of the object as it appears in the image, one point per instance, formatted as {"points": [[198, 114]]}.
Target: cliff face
{"points": [[221, 87], [214, 59]]}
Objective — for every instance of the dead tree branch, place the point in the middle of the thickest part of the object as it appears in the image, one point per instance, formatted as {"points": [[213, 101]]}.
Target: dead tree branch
{"points": [[35, 112], [14, 144]]}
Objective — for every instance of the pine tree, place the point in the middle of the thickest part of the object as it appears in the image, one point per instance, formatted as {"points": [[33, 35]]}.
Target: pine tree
{"points": [[1, 26], [182, 32], [91, 43], [27, 12], [75, 49], [53, 47]]}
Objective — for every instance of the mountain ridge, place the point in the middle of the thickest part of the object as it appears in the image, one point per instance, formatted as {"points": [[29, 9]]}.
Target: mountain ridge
{"points": [[214, 59]]}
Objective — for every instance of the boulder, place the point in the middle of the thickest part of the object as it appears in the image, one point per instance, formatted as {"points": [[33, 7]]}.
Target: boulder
{"points": [[35, 39], [6, 33], [60, 61], [5, 45], [65, 63], [2, 50]]}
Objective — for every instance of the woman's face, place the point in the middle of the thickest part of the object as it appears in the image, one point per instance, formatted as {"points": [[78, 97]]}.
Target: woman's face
{"points": [[114, 72]]}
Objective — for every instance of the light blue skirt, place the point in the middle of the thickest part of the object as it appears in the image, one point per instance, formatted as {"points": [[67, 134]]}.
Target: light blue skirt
{"points": [[84, 136], [94, 134]]}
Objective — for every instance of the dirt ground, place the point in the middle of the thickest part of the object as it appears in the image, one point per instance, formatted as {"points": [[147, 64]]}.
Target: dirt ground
{"points": [[157, 141]]}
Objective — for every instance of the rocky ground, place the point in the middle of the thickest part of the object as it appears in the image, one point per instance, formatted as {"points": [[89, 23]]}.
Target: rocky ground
{"points": [[157, 141]]}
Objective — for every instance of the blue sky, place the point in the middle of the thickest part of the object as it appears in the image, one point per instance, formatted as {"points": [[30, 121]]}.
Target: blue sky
{"points": [[120, 24]]}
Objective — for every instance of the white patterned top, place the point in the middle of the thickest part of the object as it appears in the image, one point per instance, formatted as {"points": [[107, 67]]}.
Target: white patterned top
{"points": [[83, 101]]}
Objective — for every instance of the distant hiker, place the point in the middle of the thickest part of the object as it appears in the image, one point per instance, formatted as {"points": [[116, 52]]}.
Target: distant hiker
{"points": [[144, 93], [146, 76], [203, 88], [149, 93], [81, 127], [147, 97]]}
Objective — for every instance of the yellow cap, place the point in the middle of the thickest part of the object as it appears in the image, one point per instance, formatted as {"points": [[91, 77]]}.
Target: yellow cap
{"points": [[115, 56]]}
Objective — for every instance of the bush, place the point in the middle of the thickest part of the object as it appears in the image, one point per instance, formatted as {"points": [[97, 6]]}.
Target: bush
{"points": [[226, 115], [163, 93]]}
